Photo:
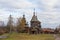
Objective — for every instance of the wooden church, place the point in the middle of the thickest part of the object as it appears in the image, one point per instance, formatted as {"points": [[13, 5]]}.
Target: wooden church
{"points": [[35, 25]]}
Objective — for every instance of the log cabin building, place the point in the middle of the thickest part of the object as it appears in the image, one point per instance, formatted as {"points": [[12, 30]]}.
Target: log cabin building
{"points": [[47, 31]]}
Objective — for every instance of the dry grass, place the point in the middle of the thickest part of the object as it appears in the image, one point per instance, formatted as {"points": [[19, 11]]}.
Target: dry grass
{"points": [[24, 36]]}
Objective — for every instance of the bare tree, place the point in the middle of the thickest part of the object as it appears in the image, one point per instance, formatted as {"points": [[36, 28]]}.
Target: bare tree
{"points": [[18, 24], [10, 24]]}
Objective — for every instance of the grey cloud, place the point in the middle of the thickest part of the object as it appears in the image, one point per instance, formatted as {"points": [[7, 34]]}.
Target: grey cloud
{"points": [[49, 18]]}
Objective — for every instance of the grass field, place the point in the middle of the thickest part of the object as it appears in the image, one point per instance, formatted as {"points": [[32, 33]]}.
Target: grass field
{"points": [[24, 36]]}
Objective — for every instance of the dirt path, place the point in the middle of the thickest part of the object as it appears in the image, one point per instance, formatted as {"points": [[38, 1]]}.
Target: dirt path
{"points": [[56, 37], [3, 36]]}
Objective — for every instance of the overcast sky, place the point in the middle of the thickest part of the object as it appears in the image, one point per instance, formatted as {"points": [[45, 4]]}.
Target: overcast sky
{"points": [[47, 11]]}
